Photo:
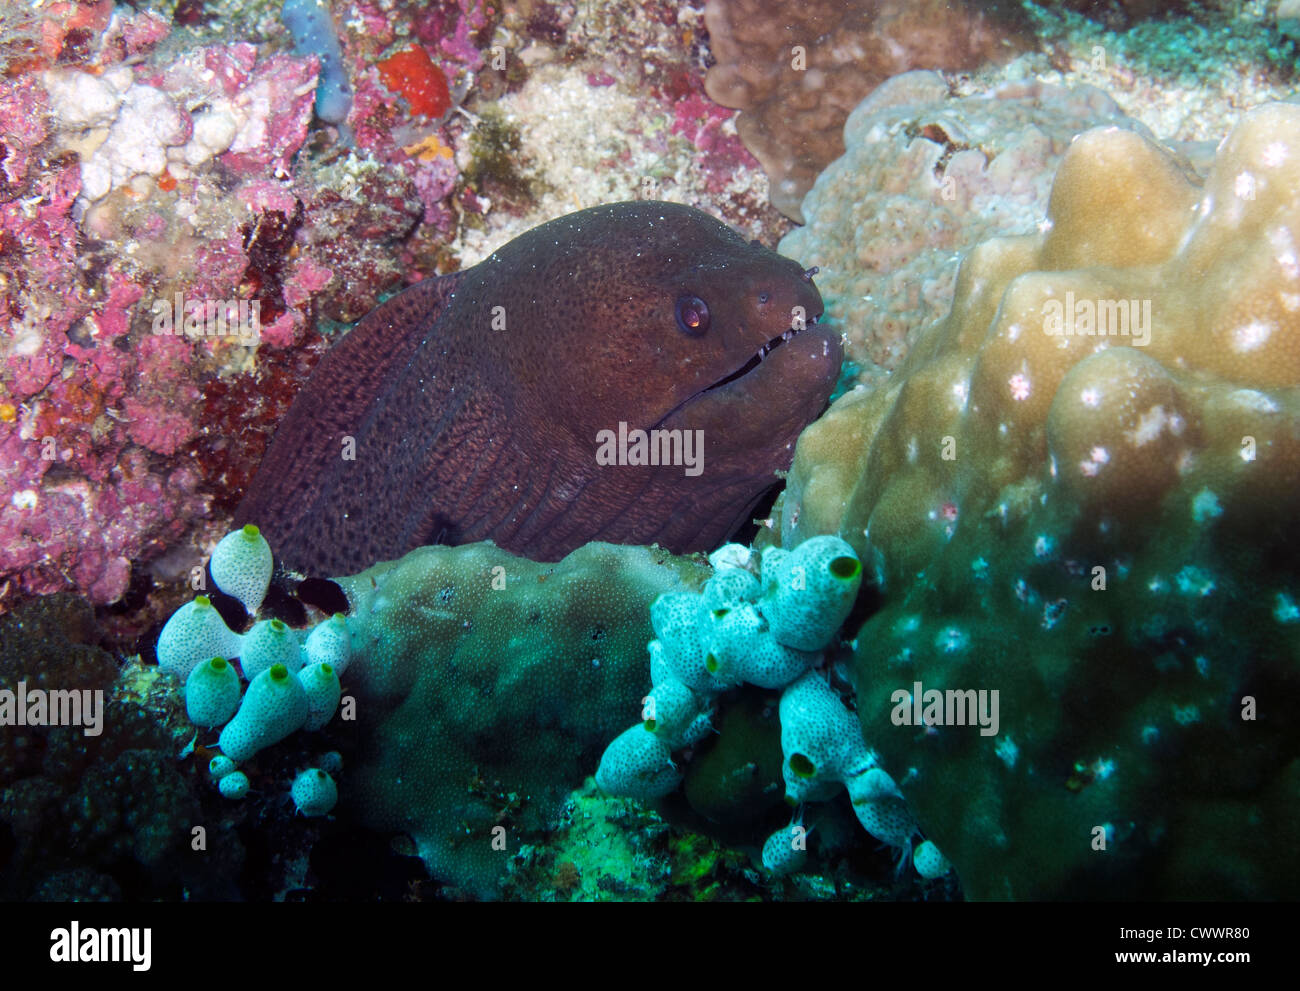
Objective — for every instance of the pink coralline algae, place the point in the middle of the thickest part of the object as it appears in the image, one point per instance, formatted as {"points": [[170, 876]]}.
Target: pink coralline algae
{"points": [[78, 502], [139, 191], [22, 124], [159, 415], [214, 70], [278, 102], [701, 121], [471, 16], [96, 411], [131, 32]]}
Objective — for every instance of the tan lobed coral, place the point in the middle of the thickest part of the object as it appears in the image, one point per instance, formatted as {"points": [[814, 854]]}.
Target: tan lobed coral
{"points": [[798, 69], [925, 176], [1094, 518]]}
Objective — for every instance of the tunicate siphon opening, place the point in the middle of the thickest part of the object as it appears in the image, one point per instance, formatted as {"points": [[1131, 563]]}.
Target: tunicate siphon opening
{"points": [[802, 766], [846, 568]]}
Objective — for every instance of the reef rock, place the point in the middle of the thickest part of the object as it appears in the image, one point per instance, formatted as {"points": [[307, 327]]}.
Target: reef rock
{"points": [[797, 69]]}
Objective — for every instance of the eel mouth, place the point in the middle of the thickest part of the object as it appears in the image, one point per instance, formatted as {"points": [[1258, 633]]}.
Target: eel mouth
{"points": [[754, 362], [761, 354]]}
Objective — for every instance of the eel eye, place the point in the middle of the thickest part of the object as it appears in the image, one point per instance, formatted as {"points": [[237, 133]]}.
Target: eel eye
{"points": [[692, 315]]}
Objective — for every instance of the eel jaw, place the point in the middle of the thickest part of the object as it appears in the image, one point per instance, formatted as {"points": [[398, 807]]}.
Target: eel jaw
{"points": [[754, 362]]}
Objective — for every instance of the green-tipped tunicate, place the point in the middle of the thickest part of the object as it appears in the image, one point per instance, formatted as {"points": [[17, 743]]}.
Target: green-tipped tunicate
{"points": [[330, 643], [220, 766], [637, 764], [669, 709], [729, 587], [659, 669], [270, 642], [241, 566], [194, 633], [731, 636], [314, 792], [821, 740], [809, 592], [769, 664], [274, 706], [212, 693], [321, 683], [888, 819], [929, 862], [683, 625], [233, 785], [785, 851]]}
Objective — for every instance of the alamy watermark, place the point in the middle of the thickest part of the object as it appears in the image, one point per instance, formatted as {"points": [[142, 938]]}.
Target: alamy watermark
{"points": [[92, 944], [681, 448], [181, 317], [953, 707], [1098, 318], [53, 707]]}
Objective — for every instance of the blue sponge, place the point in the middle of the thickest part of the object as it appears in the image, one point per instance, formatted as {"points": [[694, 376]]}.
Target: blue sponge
{"points": [[312, 27]]}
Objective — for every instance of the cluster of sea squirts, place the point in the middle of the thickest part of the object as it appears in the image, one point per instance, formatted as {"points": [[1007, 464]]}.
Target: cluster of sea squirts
{"points": [[292, 683], [764, 621]]}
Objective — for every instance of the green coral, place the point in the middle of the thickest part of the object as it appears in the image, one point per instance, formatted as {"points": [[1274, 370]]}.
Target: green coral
{"points": [[477, 666], [734, 779]]}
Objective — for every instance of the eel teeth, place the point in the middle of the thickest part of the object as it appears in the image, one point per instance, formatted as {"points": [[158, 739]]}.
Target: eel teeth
{"points": [[760, 356]]}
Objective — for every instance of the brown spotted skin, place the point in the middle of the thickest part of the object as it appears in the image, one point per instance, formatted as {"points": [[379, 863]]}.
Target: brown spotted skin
{"points": [[465, 431]]}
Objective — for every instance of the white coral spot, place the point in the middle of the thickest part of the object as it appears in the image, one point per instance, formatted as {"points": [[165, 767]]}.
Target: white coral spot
{"points": [[1251, 336]]}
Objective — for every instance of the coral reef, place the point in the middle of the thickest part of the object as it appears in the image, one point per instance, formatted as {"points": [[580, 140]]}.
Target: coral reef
{"points": [[161, 182], [769, 635], [602, 848], [1123, 11], [798, 69], [1187, 78], [1100, 533], [925, 177], [1076, 491], [96, 808], [153, 231]]}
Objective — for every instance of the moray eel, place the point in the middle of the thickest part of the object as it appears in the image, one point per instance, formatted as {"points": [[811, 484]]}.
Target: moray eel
{"points": [[489, 404]]}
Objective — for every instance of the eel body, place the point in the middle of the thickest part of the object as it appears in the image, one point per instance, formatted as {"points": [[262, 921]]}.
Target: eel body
{"points": [[508, 401]]}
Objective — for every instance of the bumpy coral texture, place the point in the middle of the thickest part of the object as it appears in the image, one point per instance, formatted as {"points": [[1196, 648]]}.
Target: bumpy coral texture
{"points": [[487, 686], [925, 177], [1101, 528], [79, 811], [133, 181], [798, 69]]}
